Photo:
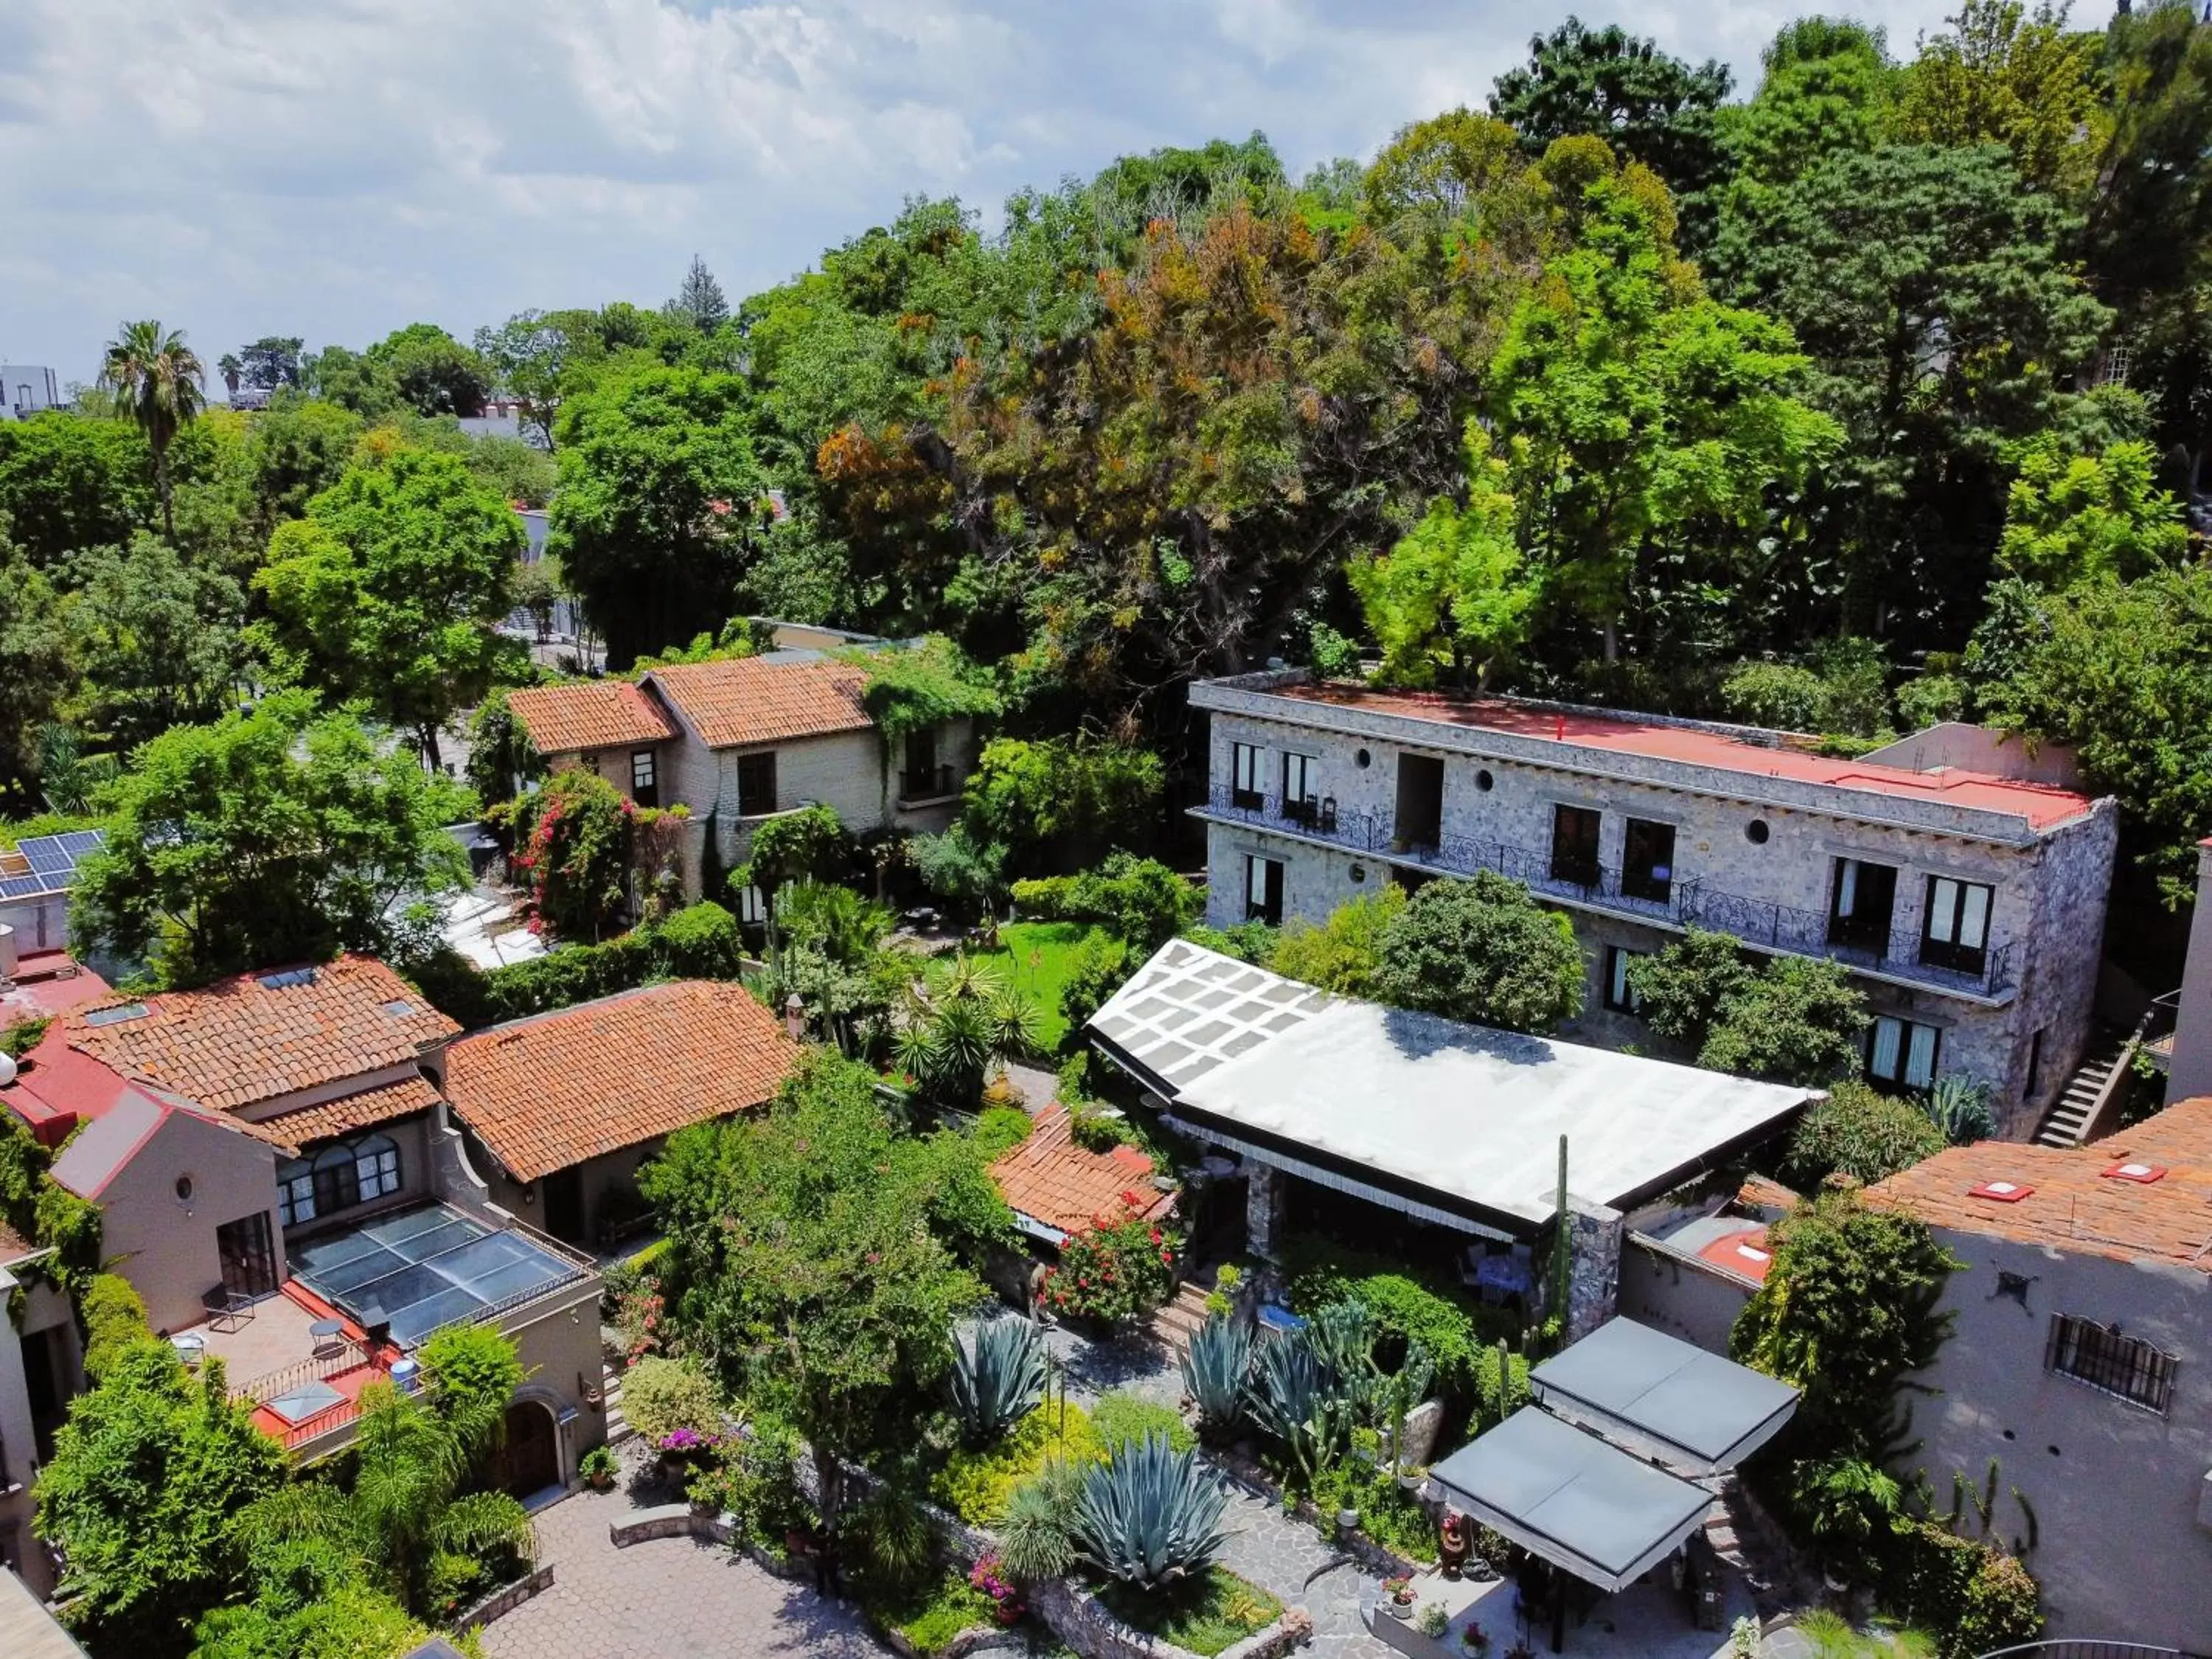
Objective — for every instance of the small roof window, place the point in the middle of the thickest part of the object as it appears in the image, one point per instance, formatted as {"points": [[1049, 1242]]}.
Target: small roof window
{"points": [[2003, 1192], [116, 1016], [2143, 1173], [399, 1007], [290, 977]]}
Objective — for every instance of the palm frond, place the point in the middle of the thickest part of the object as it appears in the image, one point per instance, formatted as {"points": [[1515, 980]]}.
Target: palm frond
{"points": [[483, 1522]]}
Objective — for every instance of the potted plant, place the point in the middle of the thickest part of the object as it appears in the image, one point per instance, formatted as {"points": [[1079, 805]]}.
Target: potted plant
{"points": [[599, 1467], [682, 1450], [1409, 1480], [1398, 1596], [1474, 1639], [1431, 1619]]}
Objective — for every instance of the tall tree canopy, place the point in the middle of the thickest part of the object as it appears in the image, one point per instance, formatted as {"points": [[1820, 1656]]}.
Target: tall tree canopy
{"points": [[156, 380]]}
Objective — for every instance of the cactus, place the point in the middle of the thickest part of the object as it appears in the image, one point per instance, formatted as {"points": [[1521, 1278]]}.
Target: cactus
{"points": [[1151, 1516], [998, 1378], [1214, 1369]]}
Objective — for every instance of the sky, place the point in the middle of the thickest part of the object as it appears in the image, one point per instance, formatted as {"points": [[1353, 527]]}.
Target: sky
{"points": [[335, 169]]}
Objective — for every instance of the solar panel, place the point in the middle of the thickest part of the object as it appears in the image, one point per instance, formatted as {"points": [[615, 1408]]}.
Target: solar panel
{"points": [[77, 842], [46, 855], [18, 887]]}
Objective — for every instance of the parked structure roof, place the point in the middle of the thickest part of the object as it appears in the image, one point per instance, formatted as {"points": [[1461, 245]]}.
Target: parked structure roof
{"points": [[2143, 1194], [557, 1088], [743, 701], [27, 1631], [570, 718], [1439, 1119], [256, 1036], [1066, 1187], [1746, 750]]}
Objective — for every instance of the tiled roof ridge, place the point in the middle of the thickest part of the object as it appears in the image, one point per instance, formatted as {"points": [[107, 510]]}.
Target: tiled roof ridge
{"points": [[512, 1027]]}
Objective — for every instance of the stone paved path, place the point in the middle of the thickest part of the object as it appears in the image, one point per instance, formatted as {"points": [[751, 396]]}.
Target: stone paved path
{"points": [[673, 1598], [1286, 1556]]}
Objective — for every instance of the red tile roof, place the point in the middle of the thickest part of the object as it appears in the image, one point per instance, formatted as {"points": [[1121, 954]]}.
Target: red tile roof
{"points": [[1050, 1178], [2043, 806], [564, 719], [554, 1090], [246, 1039], [750, 699], [342, 1116], [2073, 1205]]}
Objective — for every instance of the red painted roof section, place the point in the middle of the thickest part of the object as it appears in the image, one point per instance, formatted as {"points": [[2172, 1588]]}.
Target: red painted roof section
{"points": [[2043, 806], [49, 983], [1744, 1254]]}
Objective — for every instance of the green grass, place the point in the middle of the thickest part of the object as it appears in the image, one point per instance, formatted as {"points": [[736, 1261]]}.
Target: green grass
{"points": [[1832, 1638], [930, 1619], [1207, 1615], [1035, 956]]}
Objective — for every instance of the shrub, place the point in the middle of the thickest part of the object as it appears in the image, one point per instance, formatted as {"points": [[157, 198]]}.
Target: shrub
{"points": [[701, 941], [1120, 1419], [1859, 1132], [115, 1320], [810, 844], [1795, 1021], [996, 1379], [1101, 967], [1482, 950], [1410, 1303], [662, 1396], [1207, 1613], [998, 1130], [930, 1622], [1343, 954], [573, 846], [1978, 1598], [1035, 1540], [1150, 1517], [1248, 941], [1779, 694], [1055, 799], [977, 1485], [1140, 900], [1116, 1271]]}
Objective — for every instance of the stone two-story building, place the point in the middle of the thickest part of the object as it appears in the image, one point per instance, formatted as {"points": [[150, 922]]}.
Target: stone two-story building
{"points": [[738, 741], [1968, 904]]}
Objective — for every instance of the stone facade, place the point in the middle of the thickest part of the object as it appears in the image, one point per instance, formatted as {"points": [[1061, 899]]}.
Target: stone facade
{"points": [[1753, 855], [1593, 1266]]}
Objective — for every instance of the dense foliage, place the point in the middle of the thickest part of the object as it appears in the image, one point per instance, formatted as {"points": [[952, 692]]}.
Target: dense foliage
{"points": [[1482, 950]]}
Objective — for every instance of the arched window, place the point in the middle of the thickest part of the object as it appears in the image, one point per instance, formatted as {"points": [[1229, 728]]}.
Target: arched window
{"points": [[295, 1192], [337, 1185], [376, 1167]]}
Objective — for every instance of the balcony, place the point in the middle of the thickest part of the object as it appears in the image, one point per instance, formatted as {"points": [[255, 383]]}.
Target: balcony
{"points": [[1634, 896]]}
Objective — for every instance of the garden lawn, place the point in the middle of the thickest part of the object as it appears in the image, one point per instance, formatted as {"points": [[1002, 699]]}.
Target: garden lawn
{"points": [[1036, 957], [1207, 1615]]}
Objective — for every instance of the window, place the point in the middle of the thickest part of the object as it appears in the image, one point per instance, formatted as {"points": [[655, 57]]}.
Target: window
{"points": [[296, 1192], [1860, 904], [644, 779], [376, 1167], [1619, 995], [1301, 792], [1902, 1053], [757, 784], [752, 907], [1955, 933], [2034, 1066], [922, 779], [1263, 890], [1647, 861], [1574, 845], [2101, 1357], [1244, 776], [337, 1187]]}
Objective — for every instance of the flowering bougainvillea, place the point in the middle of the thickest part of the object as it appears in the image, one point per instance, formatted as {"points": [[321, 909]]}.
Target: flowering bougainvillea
{"points": [[990, 1577], [1121, 1267]]}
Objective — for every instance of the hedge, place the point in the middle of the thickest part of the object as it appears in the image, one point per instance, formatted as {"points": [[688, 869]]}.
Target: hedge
{"points": [[1977, 1599], [1409, 1303], [114, 1320], [700, 942]]}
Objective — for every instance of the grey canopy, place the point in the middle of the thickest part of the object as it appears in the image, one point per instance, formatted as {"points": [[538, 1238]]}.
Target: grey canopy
{"points": [[1692, 1411]]}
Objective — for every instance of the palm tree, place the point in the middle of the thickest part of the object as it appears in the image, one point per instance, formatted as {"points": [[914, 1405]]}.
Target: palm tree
{"points": [[155, 379]]}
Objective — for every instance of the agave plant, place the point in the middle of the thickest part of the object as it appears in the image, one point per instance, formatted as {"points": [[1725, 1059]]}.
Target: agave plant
{"points": [[1151, 1516], [1959, 1107], [997, 1379], [1215, 1367], [1296, 1397]]}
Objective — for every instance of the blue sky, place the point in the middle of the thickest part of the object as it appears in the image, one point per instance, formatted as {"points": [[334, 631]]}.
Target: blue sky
{"points": [[336, 168]]}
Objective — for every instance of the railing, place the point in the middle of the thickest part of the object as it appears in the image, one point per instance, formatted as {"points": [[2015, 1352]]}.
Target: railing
{"points": [[1762, 925], [2075, 1648], [345, 1354]]}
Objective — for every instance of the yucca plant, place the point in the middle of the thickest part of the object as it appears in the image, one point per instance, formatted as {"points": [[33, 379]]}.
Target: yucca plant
{"points": [[998, 1376], [1215, 1368], [1037, 1539], [1151, 1516], [1297, 1396], [1959, 1107]]}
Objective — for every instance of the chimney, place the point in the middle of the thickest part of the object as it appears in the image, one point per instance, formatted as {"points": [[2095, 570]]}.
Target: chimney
{"points": [[794, 1017]]}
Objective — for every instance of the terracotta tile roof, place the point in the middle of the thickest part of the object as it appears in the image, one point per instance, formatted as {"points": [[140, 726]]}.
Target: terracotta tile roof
{"points": [[342, 1116], [2070, 1202], [1758, 1193], [1049, 1178], [554, 1089], [564, 719], [750, 700], [257, 1036]]}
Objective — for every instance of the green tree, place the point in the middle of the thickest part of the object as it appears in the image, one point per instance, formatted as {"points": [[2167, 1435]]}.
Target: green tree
{"points": [[308, 1604], [352, 380], [431, 372], [1860, 1132], [390, 589], [143, 1495], [1061, 800], [154, 379], [2150, 211], [802, 1267], [298, 446], [2123, 672], [699, 302], [654, 519], [1482, 950], [271, 363], [1454, 597], [500, 750], [1634, 412], [1795, 1021], [35, 644], [1344, 953], [531, 356], [1679, 989], [270, 837], [158, 639], [409, 1516], [2000, 74], [71, 481], [1609, 84], [2070, 515], [1827, 92]]}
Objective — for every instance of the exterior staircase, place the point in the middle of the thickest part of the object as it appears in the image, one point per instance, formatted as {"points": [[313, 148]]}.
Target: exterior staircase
{"points": [[1180, 1316], [618, 1428], [2075, 1111]]}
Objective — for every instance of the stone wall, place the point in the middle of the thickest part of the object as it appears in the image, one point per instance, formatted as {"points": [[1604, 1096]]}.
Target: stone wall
{"points": [[1593, 1266], [1079, 1619], [507, 1598]]}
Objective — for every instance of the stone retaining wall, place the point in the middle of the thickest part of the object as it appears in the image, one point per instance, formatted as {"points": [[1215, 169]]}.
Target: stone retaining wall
{"points": [[1082, 1621], [507, 1598]]}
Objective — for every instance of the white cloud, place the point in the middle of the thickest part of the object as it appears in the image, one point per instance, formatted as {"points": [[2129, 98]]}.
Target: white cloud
{"points": [[336, 168]]}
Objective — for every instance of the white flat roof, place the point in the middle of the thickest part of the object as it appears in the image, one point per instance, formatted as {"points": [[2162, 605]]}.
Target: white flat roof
{"points": [[1464, 1112]]}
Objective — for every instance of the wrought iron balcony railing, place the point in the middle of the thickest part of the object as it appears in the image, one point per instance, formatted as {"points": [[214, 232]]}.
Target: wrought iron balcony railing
{"points": [[1638, 894]]}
